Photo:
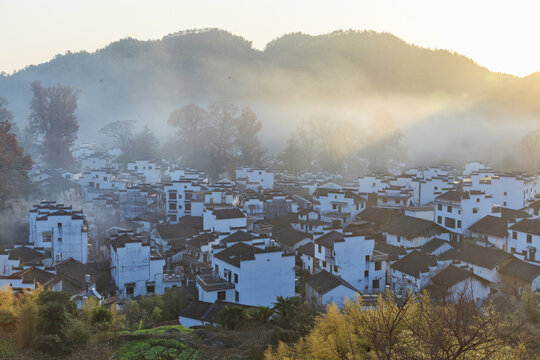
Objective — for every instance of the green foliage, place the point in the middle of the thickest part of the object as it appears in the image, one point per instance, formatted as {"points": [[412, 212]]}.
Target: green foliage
{"points": [[156, 349], [232, 317], [7, 348], [101, 315], [161, 330]]}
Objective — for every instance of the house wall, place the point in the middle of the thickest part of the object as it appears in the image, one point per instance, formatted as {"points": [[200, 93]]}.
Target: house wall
{"points": [[132, 264]]}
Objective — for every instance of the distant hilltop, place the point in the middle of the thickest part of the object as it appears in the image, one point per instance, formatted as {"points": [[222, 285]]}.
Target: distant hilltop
{"points": [[146, 80]]}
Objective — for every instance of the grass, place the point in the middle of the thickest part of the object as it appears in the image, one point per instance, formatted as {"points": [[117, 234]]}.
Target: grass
{"points": [[156, 349], [161, 330], [7, 348]]}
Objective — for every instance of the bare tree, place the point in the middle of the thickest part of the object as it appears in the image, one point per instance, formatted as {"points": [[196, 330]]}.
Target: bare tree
{"points": [[121, 131]]}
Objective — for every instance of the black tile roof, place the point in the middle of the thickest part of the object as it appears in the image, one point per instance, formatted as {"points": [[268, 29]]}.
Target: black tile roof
{"points": [[323, 282], [176, 231], [393, 252], [241, 252], [433, 245], [287, 236], [415, 263], [452, 275], [327, 240], [481, 256], [491, 225], [520, 269], [529, 226], [307, 249], [232, 213], [238, 236], [411, 227], [25, 255]]}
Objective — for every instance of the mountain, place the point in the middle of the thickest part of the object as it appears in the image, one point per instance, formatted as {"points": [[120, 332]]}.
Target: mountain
{"points": [[146, 80]]}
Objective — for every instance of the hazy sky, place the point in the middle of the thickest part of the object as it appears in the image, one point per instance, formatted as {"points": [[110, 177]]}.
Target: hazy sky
{"points": [[501, 35]]}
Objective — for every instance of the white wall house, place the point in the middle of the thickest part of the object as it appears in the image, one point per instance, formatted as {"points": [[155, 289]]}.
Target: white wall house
{"points": [[338, 205], [257, 275], [178, 198], [412, 272], [98, 181], [509, 190], [482, 261], [149, 170], [453, 283], [524, 239], [411, 232], [224, 220], [395, 197], [324, 288], [60, 229], [254, 178], [351, 258], [457, 211], [135, 268]]}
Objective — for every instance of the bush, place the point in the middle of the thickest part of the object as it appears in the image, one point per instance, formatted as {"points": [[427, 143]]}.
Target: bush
{"points": [[101, 315], [156, 349], [50, 344]]}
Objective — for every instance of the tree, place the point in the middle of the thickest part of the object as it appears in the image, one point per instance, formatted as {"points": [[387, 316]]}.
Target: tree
{"points": [[231, 317], [409, 328], [223, 119], [247, 127], [143, 145], [384, 143], [121, 131], [53, 119], [14, 165], [193, 124]]}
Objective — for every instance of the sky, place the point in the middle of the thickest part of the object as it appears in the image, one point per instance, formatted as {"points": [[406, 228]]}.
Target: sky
{"points": [[500, 35]]}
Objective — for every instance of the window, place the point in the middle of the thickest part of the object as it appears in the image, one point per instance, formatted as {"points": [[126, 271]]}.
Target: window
{"points": [[436, 188], [188, 206], [221, 295], [505, 193], [514, 235], [396, 201], [367, 258], [334, 206], [477, 199], [378, 265], [319, 248], [46, 236], [449, 209], [236, 279], [172, 218], [59, 239], [104, 178], [366, 273], [449, 222], [336, 268], [375, 284], [172, 206], [324, 264], [217, 268], [529, 238], [439, 219], [475, 210], [399, 239], [130, 289], [459, 224], [236, 296], [439, 207], [504, 204], [150, 289]]}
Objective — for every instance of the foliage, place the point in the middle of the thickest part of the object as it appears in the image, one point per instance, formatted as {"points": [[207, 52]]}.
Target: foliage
{"points": [[410, 328], [121, 131], [14, 165], [156, 349], [214, 139], [53, 122], [161, 330], [232, 317]]}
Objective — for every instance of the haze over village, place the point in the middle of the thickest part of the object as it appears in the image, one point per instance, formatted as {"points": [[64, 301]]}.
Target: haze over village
{"points": [[341, 195]]}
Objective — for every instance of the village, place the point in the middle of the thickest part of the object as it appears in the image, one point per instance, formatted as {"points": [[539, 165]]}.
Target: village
{"points": [[120, 233]]}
